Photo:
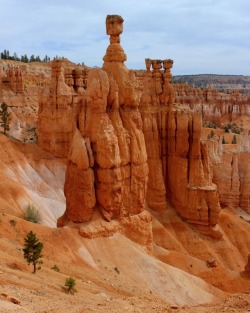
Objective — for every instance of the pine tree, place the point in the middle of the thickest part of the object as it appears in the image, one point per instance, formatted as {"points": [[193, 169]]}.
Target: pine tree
{"points": [[5, 118], [32, 251]]}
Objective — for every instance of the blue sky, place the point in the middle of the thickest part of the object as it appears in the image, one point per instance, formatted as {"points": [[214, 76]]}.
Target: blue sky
{"points": [[201, 36]]}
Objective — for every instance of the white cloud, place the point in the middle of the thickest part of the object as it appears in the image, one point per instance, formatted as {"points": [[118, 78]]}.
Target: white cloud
{"points": [[209, 36]]}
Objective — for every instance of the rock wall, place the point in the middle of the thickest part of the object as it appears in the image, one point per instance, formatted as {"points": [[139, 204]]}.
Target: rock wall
{"points": [[232, 176], [56, 116], [13, 79], [215, 106], [179, 166], [230, 162], [21, 87]]}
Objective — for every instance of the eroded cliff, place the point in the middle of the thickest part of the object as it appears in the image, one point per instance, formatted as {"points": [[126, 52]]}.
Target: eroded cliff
{"points": [[129, 144]]}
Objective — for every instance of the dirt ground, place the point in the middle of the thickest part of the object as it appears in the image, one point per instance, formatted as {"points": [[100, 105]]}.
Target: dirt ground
{"points": [[112, 273]]}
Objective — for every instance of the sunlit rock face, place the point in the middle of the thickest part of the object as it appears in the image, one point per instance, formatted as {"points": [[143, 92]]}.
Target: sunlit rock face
{"points": [[128, 144], [179, 165], [56, 122], [216, 107], [232, 176], [107, 163]]}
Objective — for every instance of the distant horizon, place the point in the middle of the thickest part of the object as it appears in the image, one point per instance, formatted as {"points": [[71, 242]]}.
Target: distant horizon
{"points": [[134, 69]]}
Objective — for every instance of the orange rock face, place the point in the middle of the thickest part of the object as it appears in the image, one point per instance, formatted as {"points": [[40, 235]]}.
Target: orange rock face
{"points": [[14, 79], [20, 89], [179, 165], [232, 176], [56, 121], [79, 182], [128, 143], [215, 106], [110, 139]]}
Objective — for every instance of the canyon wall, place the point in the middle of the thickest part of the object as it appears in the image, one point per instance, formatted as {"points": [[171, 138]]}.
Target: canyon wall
{"points": [[179, 165], [231, 174], [21, 86], [229, 161], [215, 106]]}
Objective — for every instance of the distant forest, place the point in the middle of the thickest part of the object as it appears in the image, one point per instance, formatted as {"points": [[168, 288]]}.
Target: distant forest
{"points": [[5, 55]]}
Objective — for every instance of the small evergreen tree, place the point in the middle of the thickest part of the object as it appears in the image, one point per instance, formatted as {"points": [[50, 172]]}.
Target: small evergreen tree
{"points": [[70, 283], [5, 118], [32, 251]]}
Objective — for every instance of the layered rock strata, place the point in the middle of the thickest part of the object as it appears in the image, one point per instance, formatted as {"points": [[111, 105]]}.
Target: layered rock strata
{"points": [[13, 79], [107, 166], [179, 166], [127, 142], [215, 106], [231, 174], [56, 116]]}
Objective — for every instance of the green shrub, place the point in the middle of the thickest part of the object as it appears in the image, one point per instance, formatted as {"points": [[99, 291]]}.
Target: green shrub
{"points": [[233, 128], [70, 283], [32, 214], [55, 268]]}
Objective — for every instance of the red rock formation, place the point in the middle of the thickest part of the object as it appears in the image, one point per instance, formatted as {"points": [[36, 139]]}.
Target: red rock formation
{"points": [[14, 79], [56, 119], [232, 176], [179, 166], [109, 120], [79, 182], [192, 192], [215, 106], [123, 143]]}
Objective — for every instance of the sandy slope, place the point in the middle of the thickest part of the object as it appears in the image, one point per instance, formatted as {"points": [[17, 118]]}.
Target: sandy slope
{"points": [[113, 274], [31, 175]]}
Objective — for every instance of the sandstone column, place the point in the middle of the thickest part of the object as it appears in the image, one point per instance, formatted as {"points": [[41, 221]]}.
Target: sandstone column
{"points": [[135, 170], [56, 121]]}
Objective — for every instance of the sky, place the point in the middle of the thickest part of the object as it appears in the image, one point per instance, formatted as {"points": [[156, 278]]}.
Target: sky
{"points": [[201, 36]]}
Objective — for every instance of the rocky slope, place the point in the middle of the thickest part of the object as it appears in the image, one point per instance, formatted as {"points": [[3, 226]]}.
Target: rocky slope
{"points": [[111, 271]]}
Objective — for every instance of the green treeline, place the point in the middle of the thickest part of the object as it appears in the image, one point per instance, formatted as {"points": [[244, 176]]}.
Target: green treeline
{"points": [[5, 55]]}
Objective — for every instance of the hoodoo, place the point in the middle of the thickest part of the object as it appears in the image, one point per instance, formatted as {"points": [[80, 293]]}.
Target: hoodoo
{"points": [[128, 144], [107, 165]]}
